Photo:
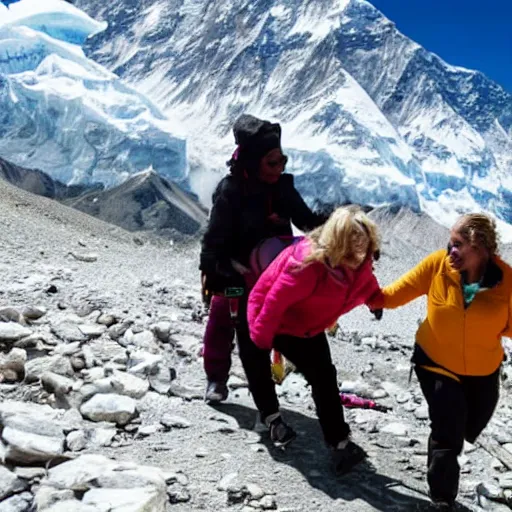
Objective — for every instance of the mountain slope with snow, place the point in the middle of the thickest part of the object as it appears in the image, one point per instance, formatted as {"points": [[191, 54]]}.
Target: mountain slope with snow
{"points": [[368, 115], [68, 116]]}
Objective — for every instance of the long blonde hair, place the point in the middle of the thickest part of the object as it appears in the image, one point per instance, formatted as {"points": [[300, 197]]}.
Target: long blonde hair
{"points": [[341, 238]]}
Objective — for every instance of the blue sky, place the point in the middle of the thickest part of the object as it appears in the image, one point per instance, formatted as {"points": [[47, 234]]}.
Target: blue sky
{"points": [[475, 34]]}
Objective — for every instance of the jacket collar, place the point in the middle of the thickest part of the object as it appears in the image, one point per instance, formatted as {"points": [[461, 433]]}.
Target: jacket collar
{"points": [[493, 274]]}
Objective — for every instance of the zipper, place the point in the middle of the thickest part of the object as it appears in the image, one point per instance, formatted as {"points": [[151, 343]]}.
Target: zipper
{"points": [[464, 308], [464, 342]]}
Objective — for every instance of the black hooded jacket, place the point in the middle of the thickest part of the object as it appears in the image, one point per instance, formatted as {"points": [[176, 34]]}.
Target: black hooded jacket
{"points": [[239, 219]]}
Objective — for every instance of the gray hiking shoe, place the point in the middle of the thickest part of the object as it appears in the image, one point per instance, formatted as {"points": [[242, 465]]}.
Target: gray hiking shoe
{"points": [[216, 392]]}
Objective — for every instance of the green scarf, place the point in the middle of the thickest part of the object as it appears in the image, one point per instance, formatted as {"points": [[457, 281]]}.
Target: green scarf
{"points": [[470, 290]]}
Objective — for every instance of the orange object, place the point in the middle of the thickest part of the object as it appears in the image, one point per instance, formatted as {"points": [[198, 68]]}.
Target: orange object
{"points": [[465, 341]]}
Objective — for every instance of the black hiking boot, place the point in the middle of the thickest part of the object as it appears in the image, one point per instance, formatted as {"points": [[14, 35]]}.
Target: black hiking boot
{"points": [[348, 457], [281, 434], [216, 392]]}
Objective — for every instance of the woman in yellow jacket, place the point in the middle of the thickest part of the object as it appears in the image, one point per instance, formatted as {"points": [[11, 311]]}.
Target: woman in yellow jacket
{"points": [[458, 351]]}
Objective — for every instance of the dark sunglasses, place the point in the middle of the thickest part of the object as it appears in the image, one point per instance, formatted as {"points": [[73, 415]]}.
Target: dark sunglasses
{"points": [[276, 163]]}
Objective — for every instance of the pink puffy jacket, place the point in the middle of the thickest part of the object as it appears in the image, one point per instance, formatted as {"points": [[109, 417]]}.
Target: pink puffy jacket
{"points": [[303, 302]]}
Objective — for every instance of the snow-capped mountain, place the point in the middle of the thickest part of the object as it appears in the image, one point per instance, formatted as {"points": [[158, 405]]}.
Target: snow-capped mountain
{"points": [[68, 116], [368, 115]]}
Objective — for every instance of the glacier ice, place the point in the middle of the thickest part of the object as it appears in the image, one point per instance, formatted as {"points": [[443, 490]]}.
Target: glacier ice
{"points": [[68, 116]]}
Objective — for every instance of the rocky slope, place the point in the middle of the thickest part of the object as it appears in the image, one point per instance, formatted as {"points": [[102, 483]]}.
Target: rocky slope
{"points": [[144, 202], [101, 400]]}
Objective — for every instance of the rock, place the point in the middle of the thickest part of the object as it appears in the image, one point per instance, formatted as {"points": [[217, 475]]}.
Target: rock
{"points": [[490, 490], [421, 413], [110, 407], [185, 392], [403, 398], [396, 429], [87, 258], [144, 340], [30, 473], [149, 430], [35, 368], [134, 500], [162, 331], [255, 491], [89, 358], [11, 315], [77, 475], [143, 363], [236, 382], [51, 289], [268, 503], [110, 485], [118, 330], [161, 380], [170, 422], [227, 481], [77, 363], [34, 312], [19, 503], [125, 384], [11, 331], [74, 505], [68, 331], [9, 483], [67, 349], [47, 497], [93, 374], [31, 432], [107, 320], [505, 480], [91, 331], [76, 440], [178, 494], [102, 436], [12, 365], [57, 384]]}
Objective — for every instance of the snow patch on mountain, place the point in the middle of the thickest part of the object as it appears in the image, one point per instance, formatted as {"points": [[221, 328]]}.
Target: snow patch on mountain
{"points": [[423, 125], [68, 116]]}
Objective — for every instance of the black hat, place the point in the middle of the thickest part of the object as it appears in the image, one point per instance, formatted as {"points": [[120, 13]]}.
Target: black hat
{"points": [[256, 137]]}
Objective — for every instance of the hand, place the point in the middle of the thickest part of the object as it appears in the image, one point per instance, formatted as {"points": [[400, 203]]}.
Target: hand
{"points": [[377, 313]]}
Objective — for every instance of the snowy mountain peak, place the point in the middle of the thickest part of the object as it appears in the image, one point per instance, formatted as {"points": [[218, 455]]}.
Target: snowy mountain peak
{"points": [[368, 115]]}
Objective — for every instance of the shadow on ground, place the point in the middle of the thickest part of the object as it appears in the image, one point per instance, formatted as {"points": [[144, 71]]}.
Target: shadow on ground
{"points": [[308, 455]]}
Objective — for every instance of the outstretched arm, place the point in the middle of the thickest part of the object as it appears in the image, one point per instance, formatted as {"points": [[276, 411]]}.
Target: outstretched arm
{"points": [[410, 286]]}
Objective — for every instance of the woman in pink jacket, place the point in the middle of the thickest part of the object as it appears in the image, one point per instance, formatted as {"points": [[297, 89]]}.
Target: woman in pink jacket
{"points": [[303, 292]]}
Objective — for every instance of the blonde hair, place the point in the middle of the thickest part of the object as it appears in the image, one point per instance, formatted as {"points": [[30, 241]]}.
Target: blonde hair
{"points": [[479, 230], [337, 241]]}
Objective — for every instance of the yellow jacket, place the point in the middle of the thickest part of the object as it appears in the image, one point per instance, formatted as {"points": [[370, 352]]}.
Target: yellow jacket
{"points": [[463, 340]]}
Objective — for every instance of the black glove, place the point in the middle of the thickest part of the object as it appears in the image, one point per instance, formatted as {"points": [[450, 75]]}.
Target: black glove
{"points": [[377, 313]]}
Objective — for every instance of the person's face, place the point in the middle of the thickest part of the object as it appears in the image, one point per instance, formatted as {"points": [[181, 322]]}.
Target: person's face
{"points": [[359, 252], [465, 257], [272, 166]]}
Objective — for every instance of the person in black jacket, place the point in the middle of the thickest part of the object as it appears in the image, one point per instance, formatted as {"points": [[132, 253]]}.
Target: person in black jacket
{"points": [[255, 201]]}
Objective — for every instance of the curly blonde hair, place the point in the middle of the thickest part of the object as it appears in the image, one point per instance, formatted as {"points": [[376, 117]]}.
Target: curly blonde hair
{"points": [[479, 230], [347, 232]]}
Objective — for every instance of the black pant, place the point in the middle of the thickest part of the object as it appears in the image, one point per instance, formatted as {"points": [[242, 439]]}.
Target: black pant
{"points": [[312, 357], [458, 411]]}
